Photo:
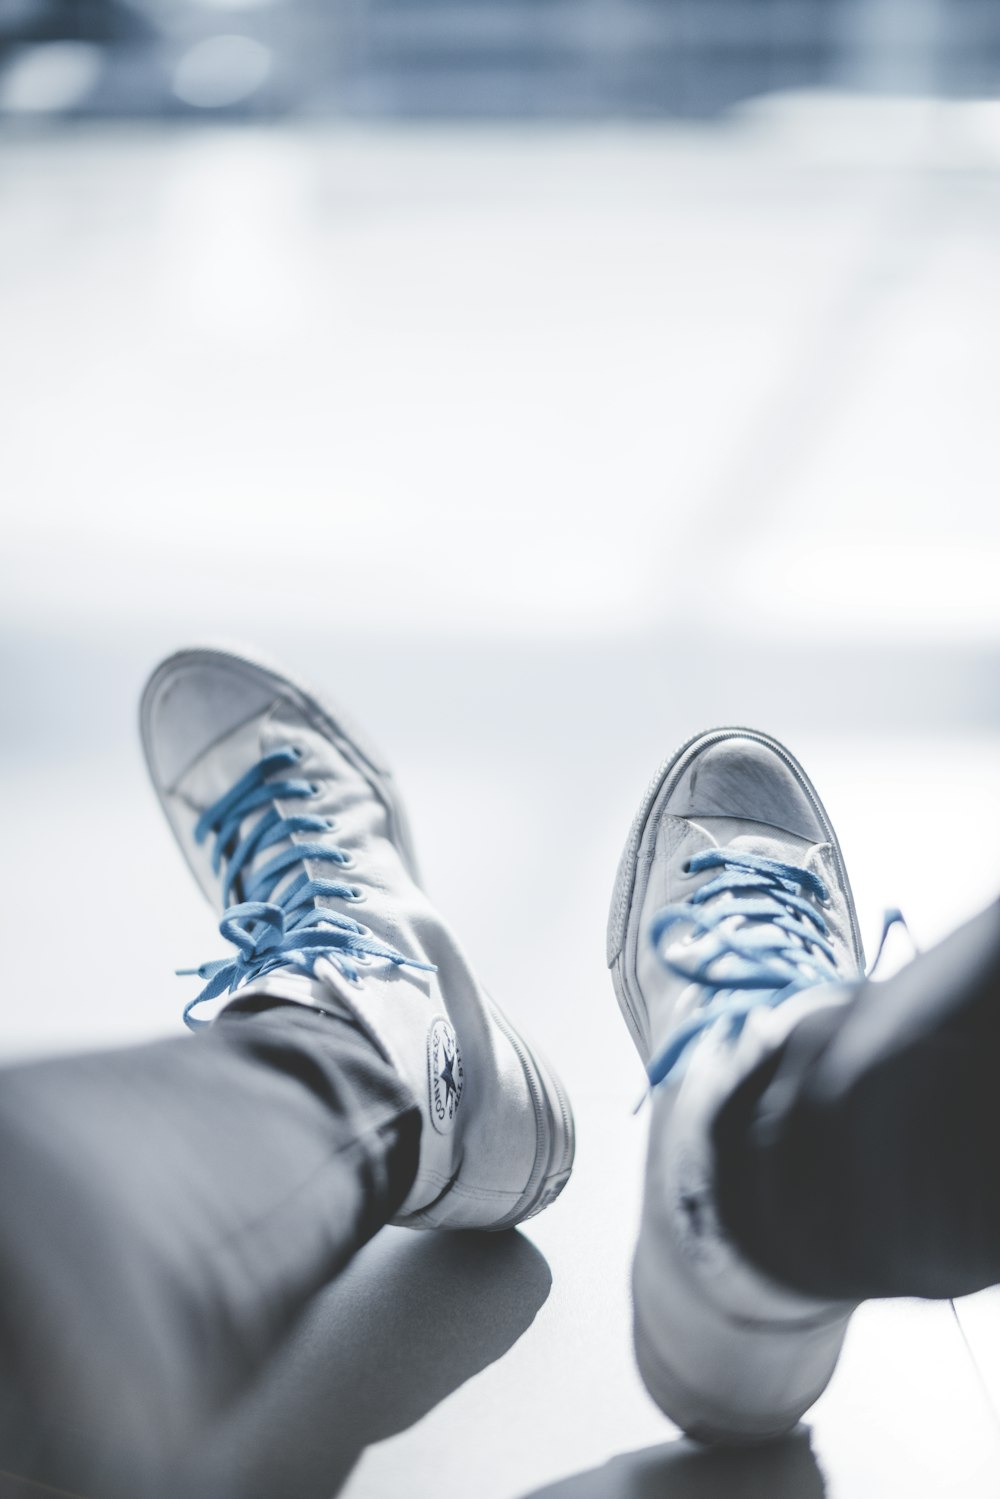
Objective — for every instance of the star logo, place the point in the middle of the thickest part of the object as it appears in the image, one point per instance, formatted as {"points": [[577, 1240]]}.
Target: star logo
{"points": [[446, 1075]]}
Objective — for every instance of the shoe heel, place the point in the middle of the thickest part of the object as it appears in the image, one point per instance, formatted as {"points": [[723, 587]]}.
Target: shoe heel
{"points": [[556, 1133], [724, 1380]]}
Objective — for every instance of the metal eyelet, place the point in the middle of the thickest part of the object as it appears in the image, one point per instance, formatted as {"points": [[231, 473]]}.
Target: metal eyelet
{"points": [[362, 959]]}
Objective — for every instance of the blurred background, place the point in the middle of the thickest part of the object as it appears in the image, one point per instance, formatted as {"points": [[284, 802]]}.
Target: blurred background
{"points": [[478, 59], [549, 379]]}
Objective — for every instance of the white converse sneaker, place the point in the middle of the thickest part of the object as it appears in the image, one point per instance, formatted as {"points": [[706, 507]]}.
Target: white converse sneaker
{"points": [[293, 827], [732, 917]]}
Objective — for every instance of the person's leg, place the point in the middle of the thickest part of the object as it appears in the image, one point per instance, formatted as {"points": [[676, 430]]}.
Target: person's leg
{"points": [[168, 1209], [862, 1158]]}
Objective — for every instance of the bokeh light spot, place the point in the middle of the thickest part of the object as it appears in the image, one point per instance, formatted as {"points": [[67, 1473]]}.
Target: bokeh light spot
{"points": [[220, 71]]}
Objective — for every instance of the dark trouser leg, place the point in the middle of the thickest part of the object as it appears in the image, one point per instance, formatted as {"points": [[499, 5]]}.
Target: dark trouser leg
{"points": [[864, 1159], [167, 1210]]}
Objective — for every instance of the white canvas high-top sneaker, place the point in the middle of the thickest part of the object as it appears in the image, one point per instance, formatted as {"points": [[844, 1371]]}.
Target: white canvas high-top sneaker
{"points": [[731, 919], [293, 827]]}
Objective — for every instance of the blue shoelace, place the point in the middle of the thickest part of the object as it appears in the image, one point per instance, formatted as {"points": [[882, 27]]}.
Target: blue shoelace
{"points": [[276, 931], [779, 947]]}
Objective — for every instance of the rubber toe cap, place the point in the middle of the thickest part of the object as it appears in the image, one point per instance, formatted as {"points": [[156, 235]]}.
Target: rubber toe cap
{"points": [[742, 777], [192, 701]]}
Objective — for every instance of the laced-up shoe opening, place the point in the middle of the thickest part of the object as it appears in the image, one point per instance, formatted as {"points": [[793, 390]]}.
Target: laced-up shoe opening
{"points": [[755, 938], [272, 917]]}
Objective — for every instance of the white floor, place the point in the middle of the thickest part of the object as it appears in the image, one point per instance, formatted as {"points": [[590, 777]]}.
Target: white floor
{"points": [[541, 450]]}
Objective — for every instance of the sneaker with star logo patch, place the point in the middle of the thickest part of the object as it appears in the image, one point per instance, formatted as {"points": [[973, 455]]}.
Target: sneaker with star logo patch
{"points": [[292, 825]]}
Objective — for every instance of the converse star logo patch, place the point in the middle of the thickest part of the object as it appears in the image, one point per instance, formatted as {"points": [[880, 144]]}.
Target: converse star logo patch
{"points": [[446, 1075]]}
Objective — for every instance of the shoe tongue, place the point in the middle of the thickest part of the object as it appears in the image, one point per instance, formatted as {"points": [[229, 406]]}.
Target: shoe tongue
{"points": [[745, 837], [756, 838]]}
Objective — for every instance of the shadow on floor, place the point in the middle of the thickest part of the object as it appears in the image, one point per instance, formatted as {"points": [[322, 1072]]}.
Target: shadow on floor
{"points": [[683, 1470], [411, 1319]]}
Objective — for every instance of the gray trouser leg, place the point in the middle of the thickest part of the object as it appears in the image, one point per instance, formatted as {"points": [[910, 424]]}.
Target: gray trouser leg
{"points": [[167, 1210]]}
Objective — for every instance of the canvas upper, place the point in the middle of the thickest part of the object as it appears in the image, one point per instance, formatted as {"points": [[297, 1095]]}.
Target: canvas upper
{"points": [[731, 918], [497, 1135]]}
